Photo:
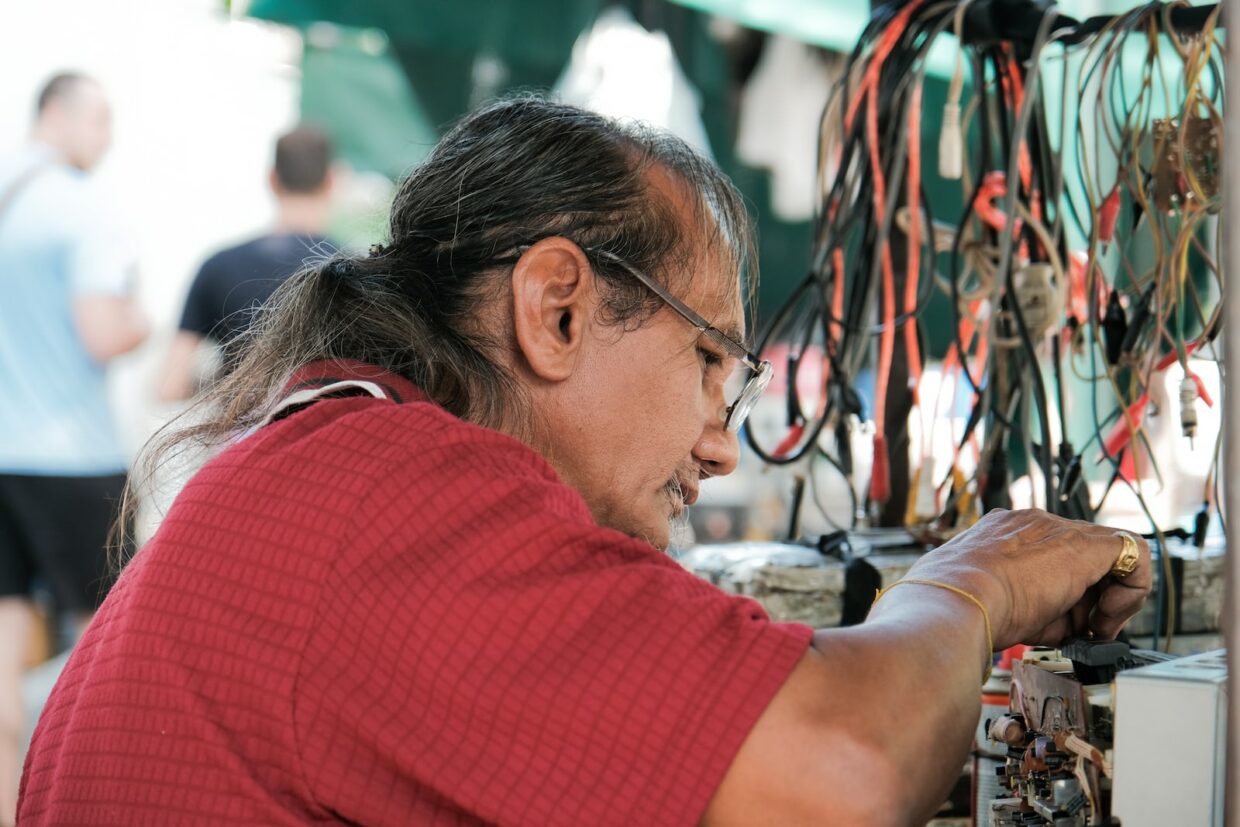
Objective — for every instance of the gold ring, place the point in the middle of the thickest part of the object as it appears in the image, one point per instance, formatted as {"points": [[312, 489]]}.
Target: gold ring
{"points": [[1126, 563]]}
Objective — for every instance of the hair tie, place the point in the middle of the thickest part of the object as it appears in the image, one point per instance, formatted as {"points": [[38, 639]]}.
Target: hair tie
{"points": [[377, 250], [342, 268]]}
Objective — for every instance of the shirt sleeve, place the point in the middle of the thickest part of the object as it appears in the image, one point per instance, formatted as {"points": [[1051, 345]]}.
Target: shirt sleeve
{"points": [[485, 652], [201, 312], [99, 256]]}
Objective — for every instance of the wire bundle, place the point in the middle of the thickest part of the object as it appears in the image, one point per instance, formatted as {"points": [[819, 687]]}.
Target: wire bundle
{"points": [[1084, 245]]}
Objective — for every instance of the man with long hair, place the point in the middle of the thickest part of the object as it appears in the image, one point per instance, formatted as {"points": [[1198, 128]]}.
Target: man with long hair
{"points": [[420, 580]]}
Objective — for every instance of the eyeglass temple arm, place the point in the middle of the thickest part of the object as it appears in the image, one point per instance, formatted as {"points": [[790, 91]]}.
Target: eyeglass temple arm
{"points": [[748, 359], [725, 341]]}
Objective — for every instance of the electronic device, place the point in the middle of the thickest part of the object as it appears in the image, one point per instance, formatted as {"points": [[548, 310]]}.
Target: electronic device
{"points": [[1102, 734]]}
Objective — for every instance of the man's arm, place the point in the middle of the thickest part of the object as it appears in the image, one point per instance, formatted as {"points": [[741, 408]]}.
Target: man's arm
{"points": [[874, 723], [179, 378], [871, 727], [109, 325], [102, 278], [176, 379]]}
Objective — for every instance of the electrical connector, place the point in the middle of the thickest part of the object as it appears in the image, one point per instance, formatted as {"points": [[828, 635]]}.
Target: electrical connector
{"points": [[1107, 216], [1201, 526], [1138, 319], [951, 144], [1188, 407], [923, 504], [1039, 299], [1114, 328], [880, 472]]}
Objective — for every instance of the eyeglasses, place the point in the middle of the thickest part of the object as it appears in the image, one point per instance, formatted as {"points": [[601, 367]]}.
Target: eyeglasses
{"points": [[760, 371]]}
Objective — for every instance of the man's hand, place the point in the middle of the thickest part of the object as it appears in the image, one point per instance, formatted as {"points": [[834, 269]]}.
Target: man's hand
{"points": [[845, 739], [1042, 578]]}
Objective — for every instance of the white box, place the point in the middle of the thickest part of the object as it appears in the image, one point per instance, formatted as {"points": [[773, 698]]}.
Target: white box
{"points": [[1170, 743]]}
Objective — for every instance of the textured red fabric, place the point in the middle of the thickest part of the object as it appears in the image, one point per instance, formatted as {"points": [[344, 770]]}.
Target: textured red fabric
{"points": [[374, 613]]}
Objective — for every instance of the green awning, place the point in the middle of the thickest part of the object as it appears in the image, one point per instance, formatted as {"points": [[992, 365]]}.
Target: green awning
{"points": [[831, 24], [525, 31]]}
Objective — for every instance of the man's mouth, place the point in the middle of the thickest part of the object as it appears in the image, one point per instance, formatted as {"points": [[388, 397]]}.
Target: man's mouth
{"points": [[689, 493], [682, 493]]}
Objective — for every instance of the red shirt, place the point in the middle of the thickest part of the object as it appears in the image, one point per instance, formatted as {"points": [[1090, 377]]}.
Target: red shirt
{"points": [[372, 612]]}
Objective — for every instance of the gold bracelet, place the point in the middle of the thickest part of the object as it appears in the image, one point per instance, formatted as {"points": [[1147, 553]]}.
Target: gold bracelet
{"points": [[990, 648]]}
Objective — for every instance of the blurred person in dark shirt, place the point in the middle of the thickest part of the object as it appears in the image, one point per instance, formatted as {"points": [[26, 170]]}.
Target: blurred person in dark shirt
{"points": [[235, 282]]}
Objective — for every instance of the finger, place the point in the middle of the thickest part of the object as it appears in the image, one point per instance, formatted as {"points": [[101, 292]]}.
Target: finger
{"points": [[1117, 604], [1112, 547], [1121, 595], [1143, 577], [1080, 614]]}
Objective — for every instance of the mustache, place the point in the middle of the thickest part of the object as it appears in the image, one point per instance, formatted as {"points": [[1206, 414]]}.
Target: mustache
{"points": [[675, 489], [678, 520]]}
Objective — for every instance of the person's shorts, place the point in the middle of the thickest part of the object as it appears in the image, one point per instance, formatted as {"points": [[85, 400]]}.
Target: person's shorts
{"points": [[56, 529]]}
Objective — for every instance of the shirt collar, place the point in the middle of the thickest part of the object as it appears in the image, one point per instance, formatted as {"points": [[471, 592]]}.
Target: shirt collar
{"points": [[326, 377]]}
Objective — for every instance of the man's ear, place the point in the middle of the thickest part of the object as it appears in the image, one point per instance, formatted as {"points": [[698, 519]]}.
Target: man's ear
{"points": [[552, 297]]}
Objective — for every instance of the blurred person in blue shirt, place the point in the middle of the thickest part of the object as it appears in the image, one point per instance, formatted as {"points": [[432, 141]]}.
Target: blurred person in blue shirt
{"points": [[234, 283], [66, 309]]}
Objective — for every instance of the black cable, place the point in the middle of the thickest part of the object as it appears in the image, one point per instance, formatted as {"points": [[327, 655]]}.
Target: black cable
{"points": [[1010, 144], [852, 494], [983, 118], [847, 223]]}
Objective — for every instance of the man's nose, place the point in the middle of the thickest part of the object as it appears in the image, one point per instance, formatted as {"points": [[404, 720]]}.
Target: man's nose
{"points": [[717, 450]]}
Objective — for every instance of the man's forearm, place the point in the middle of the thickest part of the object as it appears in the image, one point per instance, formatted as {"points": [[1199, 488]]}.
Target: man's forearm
{"points": [[910, 678], [110, 325], [873, 724]]}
